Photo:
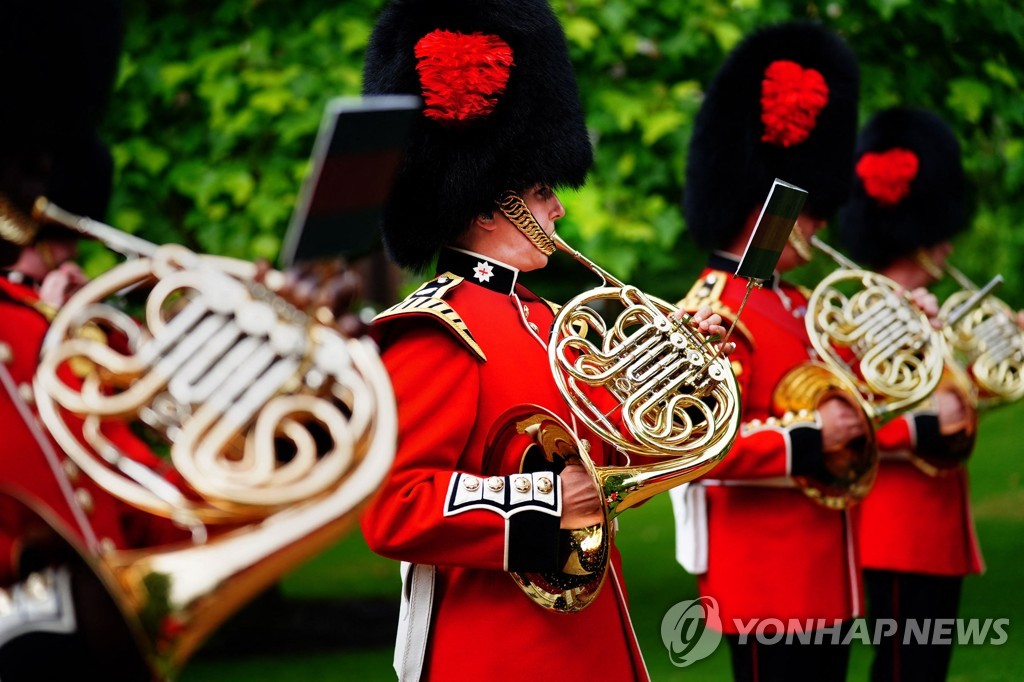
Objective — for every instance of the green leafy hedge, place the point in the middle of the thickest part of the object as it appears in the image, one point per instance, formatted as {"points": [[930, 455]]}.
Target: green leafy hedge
{"points": [[218, 104]]}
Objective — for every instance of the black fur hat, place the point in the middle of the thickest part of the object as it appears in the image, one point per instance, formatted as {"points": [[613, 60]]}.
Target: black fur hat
{"points": [[501, 111], [82, 179], [909, 187], [748, 131], [58, 64]]}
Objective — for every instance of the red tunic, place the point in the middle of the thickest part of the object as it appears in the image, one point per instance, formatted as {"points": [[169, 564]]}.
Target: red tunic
{"points": [[34, 468], [772, 552], [913, 522], [453, 378]]}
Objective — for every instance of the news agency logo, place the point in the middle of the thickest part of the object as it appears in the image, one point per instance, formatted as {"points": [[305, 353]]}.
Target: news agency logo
{"points": [[919, 631], [691, 630]]}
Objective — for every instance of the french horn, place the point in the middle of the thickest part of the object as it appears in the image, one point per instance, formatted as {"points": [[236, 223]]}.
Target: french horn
{"points": [[985, 358], [666, 395], [987, 343], [877, 350], [277, 426]]}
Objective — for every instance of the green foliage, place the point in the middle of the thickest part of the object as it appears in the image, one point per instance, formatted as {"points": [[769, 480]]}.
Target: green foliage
{"points": [[218, 104], [215, 113]]}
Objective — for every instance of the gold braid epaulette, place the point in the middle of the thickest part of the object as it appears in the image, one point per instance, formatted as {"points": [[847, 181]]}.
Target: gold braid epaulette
{"points": [[707, 291], [429, 300], [80, 366], [552, 306], [44, 309]]}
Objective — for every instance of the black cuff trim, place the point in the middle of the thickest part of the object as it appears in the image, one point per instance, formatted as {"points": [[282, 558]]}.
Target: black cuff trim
{"points": [[806, 457], [533, 542], [926, 428], [942, 451]]}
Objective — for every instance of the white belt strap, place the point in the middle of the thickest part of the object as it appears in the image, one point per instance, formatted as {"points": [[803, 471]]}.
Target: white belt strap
{"points": [[414, 620], [689, 507]]}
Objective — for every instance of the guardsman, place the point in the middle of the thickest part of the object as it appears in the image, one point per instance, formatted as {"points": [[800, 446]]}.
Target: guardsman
{"points": [[783, 105], [59, 63], [501, 121], [917, 537]]}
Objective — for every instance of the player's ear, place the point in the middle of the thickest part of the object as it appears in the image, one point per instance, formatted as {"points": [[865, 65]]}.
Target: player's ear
{"points": [[484, 221]]}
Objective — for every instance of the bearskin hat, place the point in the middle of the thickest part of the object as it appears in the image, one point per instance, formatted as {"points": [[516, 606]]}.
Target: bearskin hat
{"points": [[59, 62], [501, 111], [908, 189], [782, 105], [82, 179]]}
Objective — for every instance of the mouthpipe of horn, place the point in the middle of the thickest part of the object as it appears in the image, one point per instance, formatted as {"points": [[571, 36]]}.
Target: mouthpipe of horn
{"points": [[839, 258], [126, 244], [562, 245]]}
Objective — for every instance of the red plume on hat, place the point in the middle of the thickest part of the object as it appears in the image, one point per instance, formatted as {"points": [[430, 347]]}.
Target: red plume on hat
{"points": [[782, 105], [501, 111], [886, 176], [909, 191], [791, 99], [462, 75]]}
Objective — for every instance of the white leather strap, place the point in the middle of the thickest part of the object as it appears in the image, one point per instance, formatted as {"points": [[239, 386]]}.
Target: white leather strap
{"points": [[689, 507], [414, 620]]}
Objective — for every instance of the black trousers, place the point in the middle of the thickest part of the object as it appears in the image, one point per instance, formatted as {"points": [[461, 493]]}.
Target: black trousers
{"points": [[796, 661], [905, 596]]}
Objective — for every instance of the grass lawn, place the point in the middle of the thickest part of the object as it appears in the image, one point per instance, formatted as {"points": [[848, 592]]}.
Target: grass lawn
{"points": [[656, 582]]}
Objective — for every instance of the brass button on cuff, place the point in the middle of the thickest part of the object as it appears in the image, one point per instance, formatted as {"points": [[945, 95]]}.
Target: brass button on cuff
{"points": [[84, 499]]}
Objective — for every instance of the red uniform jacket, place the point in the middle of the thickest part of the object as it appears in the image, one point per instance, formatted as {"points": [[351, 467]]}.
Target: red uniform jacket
{"points": [[460, 351], [913, 522], [34, 468], [772, 552]]}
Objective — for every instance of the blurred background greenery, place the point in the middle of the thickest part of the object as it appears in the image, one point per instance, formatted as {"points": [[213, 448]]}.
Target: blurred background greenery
{"points": [[212, 123], [218, 104]]}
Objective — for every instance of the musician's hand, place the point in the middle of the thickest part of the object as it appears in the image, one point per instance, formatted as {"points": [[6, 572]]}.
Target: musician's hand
{"points": [[59, 284], [928, 303], [953, 415], [708, 323], [841, 422], [581, 503], [328, 290]]}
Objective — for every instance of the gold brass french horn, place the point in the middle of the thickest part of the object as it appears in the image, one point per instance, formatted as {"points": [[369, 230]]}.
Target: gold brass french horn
{"points": [[877, 350], [987, 343], [985, 359], [277, 425], [669, 396]]}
